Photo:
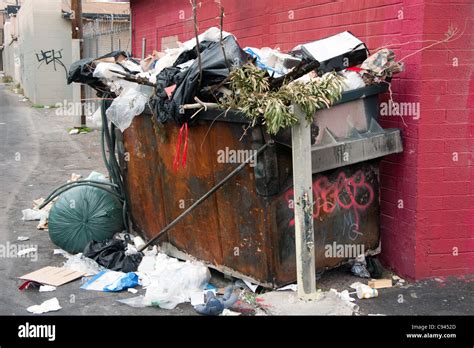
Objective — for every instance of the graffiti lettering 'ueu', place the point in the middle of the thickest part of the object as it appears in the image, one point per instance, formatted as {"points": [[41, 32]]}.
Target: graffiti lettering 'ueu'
{"points": [[51, 56]]}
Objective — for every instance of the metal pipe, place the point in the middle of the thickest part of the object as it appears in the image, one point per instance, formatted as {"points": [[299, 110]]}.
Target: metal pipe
{"points": [[143, 47]]}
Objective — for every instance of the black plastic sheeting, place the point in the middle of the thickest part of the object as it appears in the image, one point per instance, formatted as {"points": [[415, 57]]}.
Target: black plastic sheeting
{"points": [[110, 253], [215, 68]]}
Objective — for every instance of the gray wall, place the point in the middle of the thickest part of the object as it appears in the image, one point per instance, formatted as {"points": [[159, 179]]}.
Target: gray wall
{"points": [[45, 47]]}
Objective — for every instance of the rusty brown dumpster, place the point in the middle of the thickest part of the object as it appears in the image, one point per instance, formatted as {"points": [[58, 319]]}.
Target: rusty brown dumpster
{"points": [[246, 229]]}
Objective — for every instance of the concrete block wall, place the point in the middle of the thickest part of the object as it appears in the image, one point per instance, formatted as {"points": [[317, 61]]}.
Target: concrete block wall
{"points": [[427, 206]]}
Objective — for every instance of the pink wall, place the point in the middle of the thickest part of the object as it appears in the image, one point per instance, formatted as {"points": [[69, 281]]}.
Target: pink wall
{"points": [[437, 193]]}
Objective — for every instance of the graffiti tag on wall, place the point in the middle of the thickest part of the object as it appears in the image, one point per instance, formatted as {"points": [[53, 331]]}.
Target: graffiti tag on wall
{"points": [[349, 194], [51, 57]]}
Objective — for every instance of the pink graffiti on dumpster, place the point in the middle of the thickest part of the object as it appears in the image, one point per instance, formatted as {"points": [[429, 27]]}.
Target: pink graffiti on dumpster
{"points": [[348, 193]]}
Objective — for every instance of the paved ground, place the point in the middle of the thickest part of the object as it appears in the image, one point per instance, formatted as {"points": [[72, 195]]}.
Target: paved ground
{"points": [[37, 155]]}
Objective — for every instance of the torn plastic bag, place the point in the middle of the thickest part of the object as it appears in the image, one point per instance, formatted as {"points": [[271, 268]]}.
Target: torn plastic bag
{"points": [[127, 105], [214, 70], [212, 34], [191, 54], [172, 281], [269, 59], [111, 254], [103, 70], [111, 281], [352, 80], [173, 76], [80, 263], [112, 80]]}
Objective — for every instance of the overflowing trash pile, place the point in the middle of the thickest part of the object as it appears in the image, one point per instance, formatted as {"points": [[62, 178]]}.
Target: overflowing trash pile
{"points": [[262, 83], [123, 263]]}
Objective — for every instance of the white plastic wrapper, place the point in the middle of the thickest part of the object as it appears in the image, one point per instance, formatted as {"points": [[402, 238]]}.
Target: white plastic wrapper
{"points": [[171, 54], [352, 80], [211, 34], [272, 60], [130, 103], [33, 215], [102, 71], [97, 117], [171, 281], [113, 80], [80, 263]]}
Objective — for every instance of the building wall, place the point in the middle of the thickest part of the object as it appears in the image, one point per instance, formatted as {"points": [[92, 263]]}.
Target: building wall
{"points": [[427, 204], [445, 170], [39, 59], [44, 31], [10, 50]]}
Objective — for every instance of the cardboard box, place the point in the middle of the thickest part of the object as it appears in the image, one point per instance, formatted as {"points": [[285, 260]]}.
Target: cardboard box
{"points": [[54, 276], [380, 283]]}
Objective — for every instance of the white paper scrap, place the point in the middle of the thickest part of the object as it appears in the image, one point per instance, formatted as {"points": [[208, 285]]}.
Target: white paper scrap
{"points": [[26, 251], [251, 286], [292, 287], [47, 306], [197, 298]]}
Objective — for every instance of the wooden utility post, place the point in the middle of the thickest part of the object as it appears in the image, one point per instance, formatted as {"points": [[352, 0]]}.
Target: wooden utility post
{"points": [[77, 33], [303, 206]]}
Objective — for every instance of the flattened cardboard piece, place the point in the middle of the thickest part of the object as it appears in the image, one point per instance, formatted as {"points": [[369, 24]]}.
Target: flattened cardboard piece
{"points": [[55, 276]]}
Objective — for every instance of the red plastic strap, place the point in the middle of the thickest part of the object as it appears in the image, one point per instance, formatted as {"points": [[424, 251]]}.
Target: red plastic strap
{"points": [[185, 147], [178, 149], [354, 68]]}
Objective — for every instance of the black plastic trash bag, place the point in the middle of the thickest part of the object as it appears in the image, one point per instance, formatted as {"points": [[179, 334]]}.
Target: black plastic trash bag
{"points": [[214, 70], [110, 253], [166, 78]]}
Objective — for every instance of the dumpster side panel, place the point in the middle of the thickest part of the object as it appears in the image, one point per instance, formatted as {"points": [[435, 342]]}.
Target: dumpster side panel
{"points": [[241, 212], [198, 233], [144, 187], [346, 219], [215, 231]]}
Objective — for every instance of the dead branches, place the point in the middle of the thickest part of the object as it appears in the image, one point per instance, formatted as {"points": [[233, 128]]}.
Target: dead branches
{"points": [[221, 27], [301, 70], [196, 34], [132, 78]]}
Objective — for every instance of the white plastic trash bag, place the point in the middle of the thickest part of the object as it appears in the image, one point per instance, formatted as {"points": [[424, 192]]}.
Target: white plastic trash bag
{"points": [[173, 282], [130, 103]]}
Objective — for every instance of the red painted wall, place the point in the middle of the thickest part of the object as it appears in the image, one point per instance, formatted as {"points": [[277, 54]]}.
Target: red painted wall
{"points": [[427, 198]]}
